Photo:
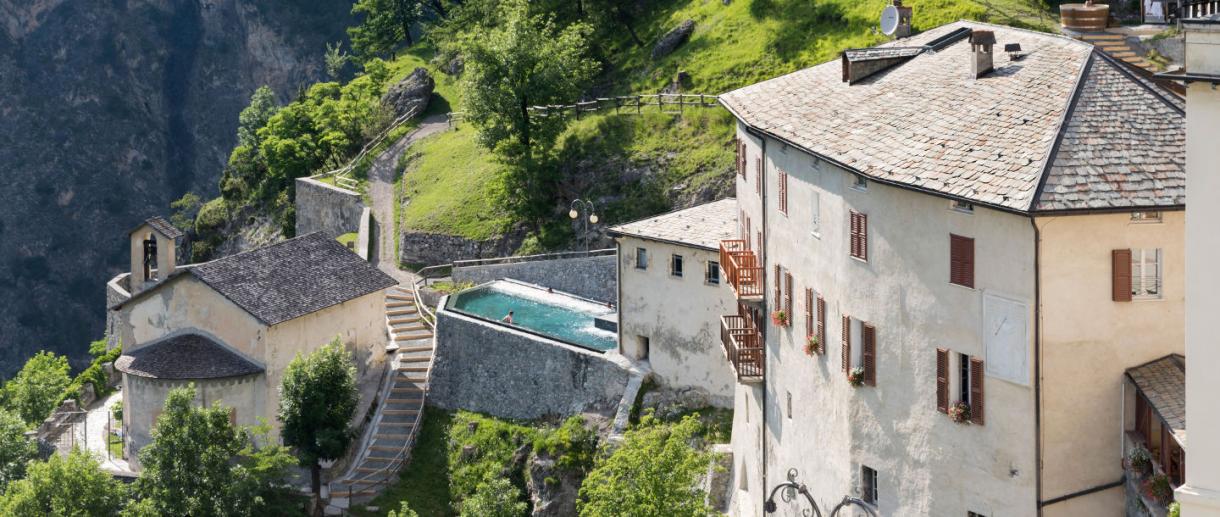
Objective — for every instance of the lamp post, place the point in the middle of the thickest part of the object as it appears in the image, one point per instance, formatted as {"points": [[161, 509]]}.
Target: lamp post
{"points": [[791, 488], [574, 212]]}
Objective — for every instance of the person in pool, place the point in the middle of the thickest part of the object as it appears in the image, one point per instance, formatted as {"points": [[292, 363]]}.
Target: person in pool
{"points": [[508, 319]]}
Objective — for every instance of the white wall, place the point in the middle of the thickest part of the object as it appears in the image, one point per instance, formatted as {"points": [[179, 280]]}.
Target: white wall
{"points": [[927, 464], [679, 315]]}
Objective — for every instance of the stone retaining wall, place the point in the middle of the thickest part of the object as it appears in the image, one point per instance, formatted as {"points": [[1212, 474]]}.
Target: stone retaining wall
{"points": [[484, 367], [435, 248], [588, 277], [324, 208]]}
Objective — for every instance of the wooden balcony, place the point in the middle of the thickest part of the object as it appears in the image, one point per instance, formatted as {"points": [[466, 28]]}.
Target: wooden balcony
{"points": [[742, 270], [743, 345]]}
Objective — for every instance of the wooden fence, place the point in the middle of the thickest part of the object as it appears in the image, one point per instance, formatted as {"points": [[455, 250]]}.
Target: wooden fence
{"points": [[673, 103]]}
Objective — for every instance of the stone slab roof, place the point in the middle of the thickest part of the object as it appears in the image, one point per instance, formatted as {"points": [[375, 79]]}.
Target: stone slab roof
{"points": [[926, 124], [1163, 383], [292, 278], [702, 226], [162, 226], [185, 356]]}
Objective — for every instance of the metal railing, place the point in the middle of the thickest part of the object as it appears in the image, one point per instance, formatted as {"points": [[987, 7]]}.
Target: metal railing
{"points": [[345, 171], [743, 345], [741, 268], [424, 278], [458, 264], [1197, 9]]}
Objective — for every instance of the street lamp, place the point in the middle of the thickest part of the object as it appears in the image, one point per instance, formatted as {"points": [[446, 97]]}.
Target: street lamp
{"points": [[574, 212], [792, 485]]}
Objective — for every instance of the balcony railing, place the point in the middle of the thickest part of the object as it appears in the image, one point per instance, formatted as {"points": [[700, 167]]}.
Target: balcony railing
{"points": [[741, 269], [743, 345]]}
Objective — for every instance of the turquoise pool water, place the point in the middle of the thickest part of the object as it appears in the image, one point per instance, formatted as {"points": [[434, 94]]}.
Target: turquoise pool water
{"points": [[554, 315]]}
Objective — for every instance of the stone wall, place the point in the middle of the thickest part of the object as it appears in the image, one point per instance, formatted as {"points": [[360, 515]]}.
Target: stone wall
{"points": [[484, 367], [430, 249], [325, 208], [588, 277], [116, 292]]}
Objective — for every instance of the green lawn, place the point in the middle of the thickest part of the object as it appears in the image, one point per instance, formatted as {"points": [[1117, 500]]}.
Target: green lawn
{"points": [[453, 186]]}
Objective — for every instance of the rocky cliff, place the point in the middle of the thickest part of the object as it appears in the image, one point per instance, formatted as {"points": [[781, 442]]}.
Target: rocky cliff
{"points": [[109, 110]]}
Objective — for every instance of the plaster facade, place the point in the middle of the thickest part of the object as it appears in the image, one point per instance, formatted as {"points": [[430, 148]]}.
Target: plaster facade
{"points": [[678, 316], [819, 424], [1089, 340], [186, 304]]}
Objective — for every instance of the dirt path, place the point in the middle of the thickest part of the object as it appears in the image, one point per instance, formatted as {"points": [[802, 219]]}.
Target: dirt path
{"points": [[381, 191]]}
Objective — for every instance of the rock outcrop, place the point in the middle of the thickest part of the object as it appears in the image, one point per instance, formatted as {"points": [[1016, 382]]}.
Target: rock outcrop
{"points": [[412, 92], [673, 39], [552, 489]]}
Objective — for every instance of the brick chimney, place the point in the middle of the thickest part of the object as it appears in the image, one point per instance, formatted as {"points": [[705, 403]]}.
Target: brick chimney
{"points": [[981, 44]]}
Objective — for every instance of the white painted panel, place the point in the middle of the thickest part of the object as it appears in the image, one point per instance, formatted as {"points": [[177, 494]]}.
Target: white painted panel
{"points": [[1006, 338]]}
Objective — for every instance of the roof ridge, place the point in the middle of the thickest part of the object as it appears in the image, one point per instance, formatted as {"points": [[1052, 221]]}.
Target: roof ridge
{"points": [[1029, 31], [672, 212], [1049, 160]]}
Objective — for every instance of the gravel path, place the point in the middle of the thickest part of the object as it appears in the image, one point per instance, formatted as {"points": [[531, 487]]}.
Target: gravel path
{"points": [[381, 191]]}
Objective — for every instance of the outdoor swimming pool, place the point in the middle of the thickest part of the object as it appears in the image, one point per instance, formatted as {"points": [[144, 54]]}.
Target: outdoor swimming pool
{"points": [[554, 315]]}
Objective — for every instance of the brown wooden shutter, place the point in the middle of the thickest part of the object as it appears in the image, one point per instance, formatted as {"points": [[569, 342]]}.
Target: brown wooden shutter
{"points": [[809, 324], [846, 343], [942, 380], [977, 405], [864, 236], [758, 168], [779, 288], [859, 235], [821, 348], [869, 354], [855, 233], [783, 192], [961, 260], [1121, 279], [788, 295], [737, 154]]}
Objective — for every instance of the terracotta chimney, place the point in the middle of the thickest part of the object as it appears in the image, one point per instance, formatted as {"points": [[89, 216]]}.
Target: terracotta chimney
{"points": [[981, 43]]}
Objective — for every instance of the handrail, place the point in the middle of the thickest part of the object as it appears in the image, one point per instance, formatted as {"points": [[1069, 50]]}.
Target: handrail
{"points": [[743, 345], [618, 103], [422, 277], [741, 268], [533, 258], [368, 147]]}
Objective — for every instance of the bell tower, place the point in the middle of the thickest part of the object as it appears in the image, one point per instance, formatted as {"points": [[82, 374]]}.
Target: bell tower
{"points": [[153, 247]]}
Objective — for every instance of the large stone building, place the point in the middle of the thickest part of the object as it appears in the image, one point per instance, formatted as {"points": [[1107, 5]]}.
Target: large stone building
{"points": [[232, 325], [671, 296], [948, 256]]}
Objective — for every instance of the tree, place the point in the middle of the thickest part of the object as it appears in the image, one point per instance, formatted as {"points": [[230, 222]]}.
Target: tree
{"points": [[185, 210], [653, 473], [199, 463], [385, 25], [38, 387], [403, 511], [68, 485], [496, 497], [524, 61], [15, 449], [335, 59], [255, 116], [318, 398]]}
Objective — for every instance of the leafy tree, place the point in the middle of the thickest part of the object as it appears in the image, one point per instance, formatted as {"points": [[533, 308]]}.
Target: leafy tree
{"points": [[71, 485], [318, 398], [185, 210], [335, 59], [653, 473], [15, 449], [385, 25], [496, 497], [403, 511], [525, 61], [255, 116], [37, 388], [201, 464]]}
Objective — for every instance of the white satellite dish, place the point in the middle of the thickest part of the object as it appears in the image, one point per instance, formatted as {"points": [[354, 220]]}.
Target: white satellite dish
{"points": [[889, 20]]}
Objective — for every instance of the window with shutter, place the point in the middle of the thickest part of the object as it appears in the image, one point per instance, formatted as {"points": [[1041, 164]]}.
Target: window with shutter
{"points": [[977, 406], [961, 260], [846, 359], [859, 235], [783, 192], [741, 158], [942, 380], [821, 330], [759, 178], [1121, 276], [788, 295], [869, 354], [779, 288], [809, 313]]}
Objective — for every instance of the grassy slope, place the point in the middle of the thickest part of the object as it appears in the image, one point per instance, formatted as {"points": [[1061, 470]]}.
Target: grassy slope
{"points": [[672, 161]]}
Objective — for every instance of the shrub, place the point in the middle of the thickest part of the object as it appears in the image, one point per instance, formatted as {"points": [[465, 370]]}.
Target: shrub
{"points": [[572, 445], [1158, 488], [856, 377], [1139, 460], [494, 498]]}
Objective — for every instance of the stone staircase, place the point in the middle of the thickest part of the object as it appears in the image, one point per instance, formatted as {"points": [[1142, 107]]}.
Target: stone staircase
{"points": [[1116, 46], [386, 444]]}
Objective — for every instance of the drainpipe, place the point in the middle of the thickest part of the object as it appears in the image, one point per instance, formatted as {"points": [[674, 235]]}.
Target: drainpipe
{"points": [[763, 180], [1037, 365], [618, 286]]}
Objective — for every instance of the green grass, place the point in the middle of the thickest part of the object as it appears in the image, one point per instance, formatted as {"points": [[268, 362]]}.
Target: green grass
{"points": [[447, 287], [453, 187], [447, 95], [348, 239], [424, 484], [115, 445]]}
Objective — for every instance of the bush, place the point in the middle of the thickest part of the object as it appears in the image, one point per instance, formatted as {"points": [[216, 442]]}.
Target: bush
{"points": [[94, 374], [572, 445], [38, 387], [495, 498]]}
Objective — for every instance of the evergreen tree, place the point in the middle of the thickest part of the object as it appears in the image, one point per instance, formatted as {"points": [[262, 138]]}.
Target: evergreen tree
{"points": [[384, 25], [318, 398]]}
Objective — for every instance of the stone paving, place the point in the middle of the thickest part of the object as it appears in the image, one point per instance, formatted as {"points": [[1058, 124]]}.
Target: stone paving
{"points": [[95, 434]]}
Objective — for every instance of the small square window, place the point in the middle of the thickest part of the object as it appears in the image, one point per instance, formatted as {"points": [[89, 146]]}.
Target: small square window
{"points": [[712, 277], [641, 258], [961, 206], [859, 182], [868, 485], [1145, 217], [675, 265]]}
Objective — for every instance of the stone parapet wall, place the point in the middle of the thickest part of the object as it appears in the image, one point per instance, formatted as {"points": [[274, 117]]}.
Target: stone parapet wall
{"points": [[594, 278], [325, 208], [116, 292], [428, 249], [487, 368]]}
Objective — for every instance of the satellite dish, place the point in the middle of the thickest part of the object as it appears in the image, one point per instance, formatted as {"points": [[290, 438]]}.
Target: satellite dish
{"points": [[889, 20]]}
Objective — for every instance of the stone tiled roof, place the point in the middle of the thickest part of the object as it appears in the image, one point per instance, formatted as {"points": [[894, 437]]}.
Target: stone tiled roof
{"points": [[1123, 146], [162, 226], [1163, 383], [864, 54], [927, 124], [293, 278], [702, 226], [185, 356]]}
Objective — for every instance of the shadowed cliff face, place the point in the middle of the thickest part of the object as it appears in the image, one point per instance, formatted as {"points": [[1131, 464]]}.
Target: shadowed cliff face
{"points": [[109, 110]]}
